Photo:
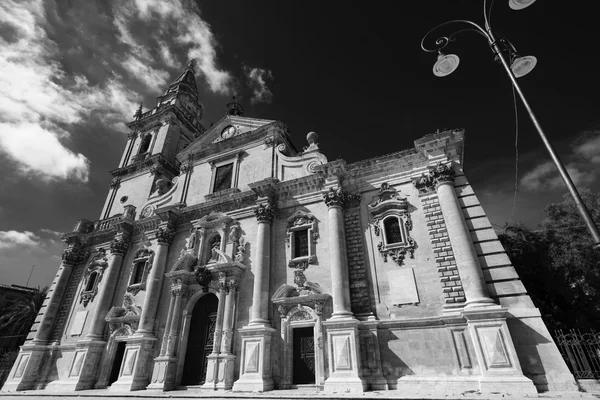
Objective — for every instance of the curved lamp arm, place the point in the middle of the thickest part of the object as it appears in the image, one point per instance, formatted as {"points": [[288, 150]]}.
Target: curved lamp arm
{"points": [[443, 41]]}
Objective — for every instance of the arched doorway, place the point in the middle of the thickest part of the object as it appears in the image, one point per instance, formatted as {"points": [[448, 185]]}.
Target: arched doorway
{"points": [[200, 340]]}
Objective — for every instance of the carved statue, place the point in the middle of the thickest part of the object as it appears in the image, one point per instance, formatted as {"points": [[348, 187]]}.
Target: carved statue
{"points": [[191, 242], [216, 245], [129, 306], [235, 233]]}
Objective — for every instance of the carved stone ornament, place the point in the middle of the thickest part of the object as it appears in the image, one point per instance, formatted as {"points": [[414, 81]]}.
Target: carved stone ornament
{"points": [[301, 316], [84, 226], [434, 176], [240, 254], [165, 235], [95, 271], [119, 246], [388, 207], [124, 319], [334, 197], [203, 277], [352, 200], [233, 286], [74, 255], [185, 168], [115, 183], [264, 212]]}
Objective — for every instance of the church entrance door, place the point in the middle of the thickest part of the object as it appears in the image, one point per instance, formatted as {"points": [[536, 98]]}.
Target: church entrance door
{"points": [[119, 353], [304, 356], [200, 340]]}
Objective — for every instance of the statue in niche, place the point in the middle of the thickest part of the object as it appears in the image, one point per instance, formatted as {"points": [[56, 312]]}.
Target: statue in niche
{"points": [[129, 306], [214, 246], [191, 242], [235, 233]]}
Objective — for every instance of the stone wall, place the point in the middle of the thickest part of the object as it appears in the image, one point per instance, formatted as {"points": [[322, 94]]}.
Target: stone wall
{"points": [[359, 287]]}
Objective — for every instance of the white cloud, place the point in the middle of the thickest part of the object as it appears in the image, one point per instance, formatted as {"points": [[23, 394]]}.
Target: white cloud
{"points": [[181, 24], [38, 101], [12, 239], [257, 78], [589, 148], [51, 232], [546, 177], [154, 79]]}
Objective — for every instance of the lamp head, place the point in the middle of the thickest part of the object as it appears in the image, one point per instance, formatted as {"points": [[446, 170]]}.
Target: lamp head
{"points": [[521, 66], [445, 64], [520, 4]]}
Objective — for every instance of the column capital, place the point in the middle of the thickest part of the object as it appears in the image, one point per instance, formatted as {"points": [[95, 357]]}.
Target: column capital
{"points": [[434, 177], [186, 167], [115, 182], [264, 212], [119, 246], [74, 255], [334, 197], [165, 235]]}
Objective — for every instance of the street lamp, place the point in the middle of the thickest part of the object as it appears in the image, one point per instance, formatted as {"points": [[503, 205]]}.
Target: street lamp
{"points": [[519, 66]]}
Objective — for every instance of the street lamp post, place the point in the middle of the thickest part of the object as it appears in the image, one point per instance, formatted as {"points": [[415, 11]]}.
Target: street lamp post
{"points": [[519, 66]]}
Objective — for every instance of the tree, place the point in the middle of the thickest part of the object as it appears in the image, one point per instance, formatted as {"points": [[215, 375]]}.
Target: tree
{"points": [[558, 264], [20, 316]]}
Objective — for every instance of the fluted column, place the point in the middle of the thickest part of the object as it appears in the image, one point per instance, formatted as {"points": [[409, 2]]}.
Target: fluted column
{"points": [[165, 341], [118, 248], [179, 294], [262, 265], [228, 319], [164, 237], [71, 257], [338, 262], [219, 323], [465, 254]]}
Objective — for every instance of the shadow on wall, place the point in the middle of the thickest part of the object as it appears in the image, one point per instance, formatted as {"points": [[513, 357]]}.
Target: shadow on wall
{"points": [[527, 341], [392, 366]]}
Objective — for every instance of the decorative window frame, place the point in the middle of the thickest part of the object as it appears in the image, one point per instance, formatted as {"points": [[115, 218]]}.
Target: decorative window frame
{"points": [[389, 204], [96, 267], [146, 256], [300, 221], [234, 159]]}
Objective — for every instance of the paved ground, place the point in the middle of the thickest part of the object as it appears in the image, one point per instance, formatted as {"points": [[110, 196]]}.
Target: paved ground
{"points": [[286, 394]]}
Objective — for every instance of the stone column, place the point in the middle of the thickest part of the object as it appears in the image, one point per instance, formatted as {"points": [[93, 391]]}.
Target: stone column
{"points": [[460, 238], [255, 363], [154, 281], [343, 341], [163, 347], [222, 286], [118, 248], [27, 368], [338, 262], [262, 266], [179, 293], [71, 257], [228, 319]]}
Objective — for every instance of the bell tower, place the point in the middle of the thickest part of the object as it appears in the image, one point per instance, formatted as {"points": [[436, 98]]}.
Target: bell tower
{"points": [[156, 136]]}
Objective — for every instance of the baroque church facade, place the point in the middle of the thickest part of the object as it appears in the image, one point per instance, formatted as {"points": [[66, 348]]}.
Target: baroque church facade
{"points": [[227, 259]]}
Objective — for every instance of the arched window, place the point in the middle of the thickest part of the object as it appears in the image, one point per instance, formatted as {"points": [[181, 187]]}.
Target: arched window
{"points": [[145, 144], [91, 283], [393, 233]]}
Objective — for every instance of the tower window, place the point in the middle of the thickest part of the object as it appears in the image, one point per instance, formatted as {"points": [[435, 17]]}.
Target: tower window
{"points": [[300, 243], [393, 233], [223, 177], [145, 144]]}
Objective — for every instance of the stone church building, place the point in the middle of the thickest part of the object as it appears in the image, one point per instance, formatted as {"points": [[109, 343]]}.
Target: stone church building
{"points": [[229, 259]]}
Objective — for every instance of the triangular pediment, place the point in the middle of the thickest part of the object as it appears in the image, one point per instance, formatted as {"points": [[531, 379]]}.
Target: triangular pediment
{"points": [[240, 126]]}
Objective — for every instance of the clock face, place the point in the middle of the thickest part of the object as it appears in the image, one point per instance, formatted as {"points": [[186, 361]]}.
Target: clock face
{"points": [[228, 132]]}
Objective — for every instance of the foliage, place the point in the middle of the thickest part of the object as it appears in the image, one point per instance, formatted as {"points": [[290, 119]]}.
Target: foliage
{"points": [[558, 264], [7, 359], [20, 316]]}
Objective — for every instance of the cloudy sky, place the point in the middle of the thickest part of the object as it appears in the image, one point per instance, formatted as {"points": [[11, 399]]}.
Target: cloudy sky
{"points": [[73, 73]]}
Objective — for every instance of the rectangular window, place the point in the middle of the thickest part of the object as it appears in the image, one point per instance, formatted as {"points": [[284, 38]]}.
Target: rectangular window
{"points": [[301, 243], [138, 272], [223, 177]]}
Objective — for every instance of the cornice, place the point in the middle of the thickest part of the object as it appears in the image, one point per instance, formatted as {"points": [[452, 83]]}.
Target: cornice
{"points": [[147, 164]]}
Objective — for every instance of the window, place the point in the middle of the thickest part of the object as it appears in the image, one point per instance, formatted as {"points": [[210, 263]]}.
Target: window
{"points": [[142, 262], [301, 238], [223, 177], [393, 233], [300, 243], [145, 144], [91, 284], [138, 272]]}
